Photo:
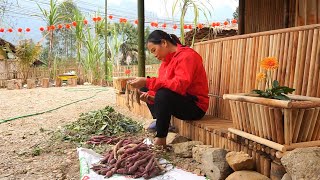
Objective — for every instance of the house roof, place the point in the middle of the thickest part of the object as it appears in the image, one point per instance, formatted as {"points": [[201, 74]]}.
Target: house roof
{"points": [[4, 42], [208, 33]]}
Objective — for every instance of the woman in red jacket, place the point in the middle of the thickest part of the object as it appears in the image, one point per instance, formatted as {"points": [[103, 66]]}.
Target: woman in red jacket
{"points": [[181, 88]]}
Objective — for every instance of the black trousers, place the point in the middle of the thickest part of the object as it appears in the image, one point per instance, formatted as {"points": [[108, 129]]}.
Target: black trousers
{"points": [[168, 103]]}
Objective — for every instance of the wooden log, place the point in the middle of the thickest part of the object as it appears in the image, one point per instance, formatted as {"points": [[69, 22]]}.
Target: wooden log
{"points": [[258, 100], [267, 120], [266, 166], [257, 139], [31, 83], [58, 82], [45, 82], [263, 122], [276, 171], [297, 125], [302, 145]]}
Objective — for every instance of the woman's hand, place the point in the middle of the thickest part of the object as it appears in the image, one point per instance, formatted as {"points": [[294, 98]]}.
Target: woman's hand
{"points": [[138, 82], [144, 96]]}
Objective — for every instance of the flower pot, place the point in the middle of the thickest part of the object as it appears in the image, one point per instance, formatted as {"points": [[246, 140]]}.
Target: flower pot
{"points": [[277, 123]]}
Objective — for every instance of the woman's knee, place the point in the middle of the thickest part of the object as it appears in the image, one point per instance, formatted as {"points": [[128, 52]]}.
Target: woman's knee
{"points": [[164, 94]]}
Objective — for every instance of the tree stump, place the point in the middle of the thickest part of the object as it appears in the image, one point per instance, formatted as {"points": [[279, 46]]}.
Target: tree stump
{"points": [[11, 84], [58, 82], [45, 82], [31, 83], [72, 82]]}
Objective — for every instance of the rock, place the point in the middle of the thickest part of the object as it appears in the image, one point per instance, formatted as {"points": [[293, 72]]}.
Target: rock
{"points": [[198, 150], [197, 171], [303, 163], [240, 161], [185, 149], [286, 176], [174, 138], [247, 175], [214, 164]]}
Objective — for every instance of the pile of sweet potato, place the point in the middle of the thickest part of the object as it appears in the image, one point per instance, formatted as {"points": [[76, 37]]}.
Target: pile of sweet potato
{"points": [[129, 157]]}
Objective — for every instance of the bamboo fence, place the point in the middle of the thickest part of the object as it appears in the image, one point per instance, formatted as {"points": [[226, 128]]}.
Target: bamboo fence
{"points": [[232, 63]]}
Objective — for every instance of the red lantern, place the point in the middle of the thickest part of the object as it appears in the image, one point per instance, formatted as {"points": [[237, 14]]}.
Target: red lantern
{"points": [[185, 26], [213, 24], [28, 29], [164, 25], [99, 18], [190, 26], [152, 24], [1, 30], [74, 23], [136, 21], [234, 21], [110, 16], [60, 26], [52, 27], [155, 24], [85, 22], [127, 71], [20, 30], [218, 24], [94, 19], [200, 26], [175, 27], [226, 23], [10, 30], [123, 20], [68, 26], [41, 29]]}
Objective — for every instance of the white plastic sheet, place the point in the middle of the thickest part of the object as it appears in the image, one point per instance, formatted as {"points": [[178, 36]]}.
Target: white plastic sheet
{"points": [[88, 157]]}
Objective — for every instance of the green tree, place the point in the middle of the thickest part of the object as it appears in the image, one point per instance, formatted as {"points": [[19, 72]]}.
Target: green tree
{"points": [[236, 13]]}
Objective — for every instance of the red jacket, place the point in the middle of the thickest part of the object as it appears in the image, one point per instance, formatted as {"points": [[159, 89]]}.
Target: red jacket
{"points": [[183, 73]]}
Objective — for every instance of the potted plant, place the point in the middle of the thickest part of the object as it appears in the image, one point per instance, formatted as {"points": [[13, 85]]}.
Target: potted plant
{"points": [[273, 117]]}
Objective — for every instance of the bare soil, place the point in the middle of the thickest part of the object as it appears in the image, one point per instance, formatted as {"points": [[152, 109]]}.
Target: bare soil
{"points": [[27, 150]]}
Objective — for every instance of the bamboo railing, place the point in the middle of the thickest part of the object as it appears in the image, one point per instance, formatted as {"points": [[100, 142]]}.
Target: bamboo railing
{"points": [[232, 63]]}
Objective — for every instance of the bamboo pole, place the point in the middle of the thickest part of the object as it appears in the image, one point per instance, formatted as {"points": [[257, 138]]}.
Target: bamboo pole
{"points": [[251, 118], [316, 129], [302, 145], [259, 100], [293, 29], [297, 125], [257, 139], [243, 118], [279, 126], [313, 70], [263, 121], [312, 124], [285, 58], [307, 115], [307, 62], [287, 126], [258, 120], [272, 124], [307, 122]]}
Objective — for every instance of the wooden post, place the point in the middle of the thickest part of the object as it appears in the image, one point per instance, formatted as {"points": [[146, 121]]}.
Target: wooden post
{"points": [[58, 82], [45, 82], [277, 171], [31, 83], [72, 82]]}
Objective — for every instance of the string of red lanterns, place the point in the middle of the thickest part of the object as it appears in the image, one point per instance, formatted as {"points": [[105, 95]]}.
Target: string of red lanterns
{"points": [[154, 24]]}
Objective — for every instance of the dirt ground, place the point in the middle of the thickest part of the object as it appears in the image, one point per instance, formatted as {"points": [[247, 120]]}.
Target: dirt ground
{"points": [[26, 151]]}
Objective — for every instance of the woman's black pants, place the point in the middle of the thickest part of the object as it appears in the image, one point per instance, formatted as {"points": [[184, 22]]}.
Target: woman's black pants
{"points": [[168, 103]]}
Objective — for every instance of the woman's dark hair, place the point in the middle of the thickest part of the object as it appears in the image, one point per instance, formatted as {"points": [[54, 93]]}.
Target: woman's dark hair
{"points": [[157, 35]]}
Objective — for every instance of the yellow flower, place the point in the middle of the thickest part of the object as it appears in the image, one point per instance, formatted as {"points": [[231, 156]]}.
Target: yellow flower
{"points": [[261, 76], [269, 63]]}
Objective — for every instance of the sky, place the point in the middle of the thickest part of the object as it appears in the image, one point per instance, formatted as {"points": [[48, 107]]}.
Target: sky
{"points": [[25, 13]]}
